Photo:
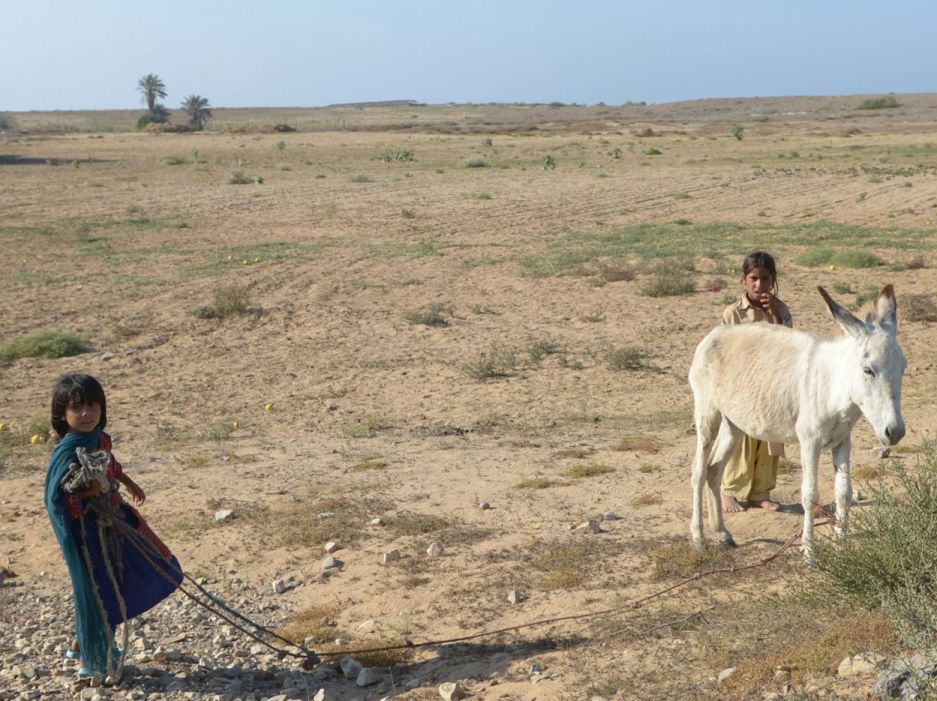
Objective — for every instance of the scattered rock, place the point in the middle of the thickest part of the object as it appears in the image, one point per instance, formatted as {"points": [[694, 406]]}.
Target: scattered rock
{"points": [[484, 505], [366, 625], [330, 563], [320, 695], [725, 674], [279, 586], [376, 522], [224, 514], [368, 676], [350, 667], [881, 452], [591, 525], [434, 550], [611, 516], [450, 691], [390, 556], [107, 356], [331, 546], [515, 597]]}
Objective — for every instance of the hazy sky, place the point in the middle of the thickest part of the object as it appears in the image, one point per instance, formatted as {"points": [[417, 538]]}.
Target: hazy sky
{"points": [[63, 54]]}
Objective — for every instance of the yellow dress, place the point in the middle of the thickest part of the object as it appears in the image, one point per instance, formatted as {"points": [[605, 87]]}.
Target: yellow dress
{"points": [[752, 470]]}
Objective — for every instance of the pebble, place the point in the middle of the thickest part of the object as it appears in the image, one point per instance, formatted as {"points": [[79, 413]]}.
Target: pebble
{"points": [[376, 522], [591, 525], [331, 546], [390, 556], [224, 514], [725, 674], [484, 505], [367, 677], [611, 516], [435, 550], [330, 563], [279, 586], [515, 596], [350, 667]]}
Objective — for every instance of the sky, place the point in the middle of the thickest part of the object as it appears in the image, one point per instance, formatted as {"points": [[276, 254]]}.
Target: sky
{"points": [[66, 55]]}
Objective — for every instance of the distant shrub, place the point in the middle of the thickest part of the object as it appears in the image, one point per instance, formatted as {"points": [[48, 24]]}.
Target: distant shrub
{"points": [[229, 300], [878, 103], [239, 177], [476, 163], [653, 152], [627, 358], [400, 154], [549, 163], [431, 315], [918, 307], [851, 258], [361, 179], [43, 344], [738, 131], [494, 363], [666, 284], [6, 122]]}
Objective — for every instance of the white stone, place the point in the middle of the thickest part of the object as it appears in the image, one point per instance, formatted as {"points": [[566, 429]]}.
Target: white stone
{"points": [[390, 556], [591, 525], [515, 596], [845, 667], [224, 514], [368, 676], [331, 563], [366, 625], [610, 516], [376, 522], [435, 550], [279, 586], [450, 691], [725, 674], [320, 695], [484, 505], [331, 546]]}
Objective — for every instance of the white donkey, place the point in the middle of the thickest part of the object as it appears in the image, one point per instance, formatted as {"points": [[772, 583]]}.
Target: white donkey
{"points": [[782, 385]]}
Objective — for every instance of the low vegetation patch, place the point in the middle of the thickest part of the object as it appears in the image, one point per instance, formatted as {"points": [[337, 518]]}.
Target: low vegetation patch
{"points": [[849, 258], [368, 427], [630, 358], [667, 284], [435, 314], [878, 103], [535, 483], [918, 307], [43, 344], [592, 469], [637, 444], [494, 363], [229, 300]]}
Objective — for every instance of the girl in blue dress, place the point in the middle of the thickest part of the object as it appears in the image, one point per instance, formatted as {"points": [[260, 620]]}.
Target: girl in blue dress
{"points": [[118, 567]]}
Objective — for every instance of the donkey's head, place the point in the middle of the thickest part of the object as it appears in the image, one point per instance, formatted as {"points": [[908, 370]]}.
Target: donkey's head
{"points": [[874, 363]]}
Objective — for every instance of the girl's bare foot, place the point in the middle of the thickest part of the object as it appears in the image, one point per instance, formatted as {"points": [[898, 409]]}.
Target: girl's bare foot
{"points": [[730, 504], [766, 504]]}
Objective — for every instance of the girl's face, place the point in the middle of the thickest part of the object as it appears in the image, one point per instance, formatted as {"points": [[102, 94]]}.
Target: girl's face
{"points": [[758, 283], [81, 417]]}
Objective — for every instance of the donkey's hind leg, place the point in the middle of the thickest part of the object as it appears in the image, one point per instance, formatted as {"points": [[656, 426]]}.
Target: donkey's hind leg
{"points": [[707, 427], [725, 444]]}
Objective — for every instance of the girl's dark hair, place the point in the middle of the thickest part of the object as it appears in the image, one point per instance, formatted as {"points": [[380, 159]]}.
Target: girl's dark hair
{"points": [[80, 387], [760, 259]]}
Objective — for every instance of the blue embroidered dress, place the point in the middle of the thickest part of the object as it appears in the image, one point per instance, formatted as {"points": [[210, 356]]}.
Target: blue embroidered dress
{"points": [[143, 580]]}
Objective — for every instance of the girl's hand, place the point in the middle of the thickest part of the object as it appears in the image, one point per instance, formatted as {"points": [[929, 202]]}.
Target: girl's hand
{"points": [[767, 302], [137, 495]]}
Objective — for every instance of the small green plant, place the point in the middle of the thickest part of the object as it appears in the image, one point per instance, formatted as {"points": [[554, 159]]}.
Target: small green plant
{"points": [[281, 145], [681, 196], [400, 154], [239, 177], [653, 151], [483, 196], [362, 179], [494, 363], [849, 258], [434, 314], [367, 427], [175, 160], [738, 131], [229, 300], [628, 358], [615, 154], [878, 103], [667, 284], [549, 163], [408, 213], [476, 163], [541, 349], [43, 344], [843, 288], [487, 142], [369, 464], [535, 483]]}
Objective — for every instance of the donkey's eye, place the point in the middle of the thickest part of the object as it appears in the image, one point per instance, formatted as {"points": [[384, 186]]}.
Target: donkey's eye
{"points": [[869, 371]]}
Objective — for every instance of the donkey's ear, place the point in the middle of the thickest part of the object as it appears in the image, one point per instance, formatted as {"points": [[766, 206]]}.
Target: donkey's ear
{"points": [[850, 323], [887, 308]]}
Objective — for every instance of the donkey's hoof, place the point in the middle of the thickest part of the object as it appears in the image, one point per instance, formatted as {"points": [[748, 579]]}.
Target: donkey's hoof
{"points": [[727, 541], [699, 544]]}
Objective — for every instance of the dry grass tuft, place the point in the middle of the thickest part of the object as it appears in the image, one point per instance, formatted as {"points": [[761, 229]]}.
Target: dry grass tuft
{"points": [[638, 443], [918, 307], [681, 559], [410, 523], [535, 483], [591, 469], [576, 453], [647, 500], [372, 463]]}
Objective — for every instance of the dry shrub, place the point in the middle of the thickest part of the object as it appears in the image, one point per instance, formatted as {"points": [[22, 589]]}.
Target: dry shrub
{"points": [[617, 272], [918, 307], [166, 128], [577, 453], [560, 566], [410, 523], [647, 500], [591, 469], [315, 624], [637, 443], [681, 559], [535, 483]]}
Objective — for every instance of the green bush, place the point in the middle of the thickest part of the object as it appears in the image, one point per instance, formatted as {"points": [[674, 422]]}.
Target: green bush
{"points": [[888, 561], [850, 258], [627, 358], [43, 344], [431, 315], [878, 103], [667, 285]]}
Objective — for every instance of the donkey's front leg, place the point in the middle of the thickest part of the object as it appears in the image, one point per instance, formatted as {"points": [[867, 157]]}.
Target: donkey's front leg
{"points": [[843, 486], [809, 492]]}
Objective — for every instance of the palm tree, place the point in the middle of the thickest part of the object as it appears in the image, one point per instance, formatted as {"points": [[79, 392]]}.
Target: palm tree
{"points": [[151, 87], [199, 111]]}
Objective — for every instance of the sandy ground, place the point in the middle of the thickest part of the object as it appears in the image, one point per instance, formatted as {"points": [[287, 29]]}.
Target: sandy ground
{"points": [[326, 397]]}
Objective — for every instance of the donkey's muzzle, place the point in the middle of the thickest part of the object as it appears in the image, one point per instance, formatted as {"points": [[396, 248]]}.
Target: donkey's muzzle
{"points": [[894, 433]]}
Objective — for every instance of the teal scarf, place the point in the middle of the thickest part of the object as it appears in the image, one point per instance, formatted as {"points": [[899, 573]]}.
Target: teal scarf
{"points": [[90, 623]]}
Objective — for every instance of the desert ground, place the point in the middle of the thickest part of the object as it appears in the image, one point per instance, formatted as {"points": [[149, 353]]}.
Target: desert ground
{"points": [[402, 311]]}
